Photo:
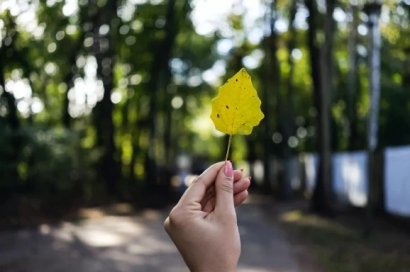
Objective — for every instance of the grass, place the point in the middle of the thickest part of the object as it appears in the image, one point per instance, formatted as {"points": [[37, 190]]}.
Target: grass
{"points": [[342, 244]]}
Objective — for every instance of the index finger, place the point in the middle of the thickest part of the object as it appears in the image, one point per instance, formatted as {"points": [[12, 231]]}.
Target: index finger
{"points": [[197, 190]]}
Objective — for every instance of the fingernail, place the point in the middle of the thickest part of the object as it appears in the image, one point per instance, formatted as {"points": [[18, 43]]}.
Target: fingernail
{"points": [[228, 169]]}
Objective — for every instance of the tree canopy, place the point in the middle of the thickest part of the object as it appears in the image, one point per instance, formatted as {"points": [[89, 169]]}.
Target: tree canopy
{"points": [[102, 98]]}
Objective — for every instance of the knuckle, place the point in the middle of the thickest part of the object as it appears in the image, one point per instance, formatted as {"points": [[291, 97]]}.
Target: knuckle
{"points": [[174, 218], [166, 224]]}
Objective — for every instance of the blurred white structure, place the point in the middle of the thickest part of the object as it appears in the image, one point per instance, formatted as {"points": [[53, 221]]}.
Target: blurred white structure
{"points": [[311, 168], [397, 180], [349, 177]]}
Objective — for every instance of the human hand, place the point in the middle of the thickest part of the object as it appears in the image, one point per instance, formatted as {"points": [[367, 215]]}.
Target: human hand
{"points": [[203, 224]]}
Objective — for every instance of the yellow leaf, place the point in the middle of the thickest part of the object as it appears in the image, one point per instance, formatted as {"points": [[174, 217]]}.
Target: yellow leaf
{"points": [[236, 108]]}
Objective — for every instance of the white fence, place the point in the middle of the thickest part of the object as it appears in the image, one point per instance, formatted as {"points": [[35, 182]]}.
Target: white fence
{"points": [[350, 177], [397, 180]]}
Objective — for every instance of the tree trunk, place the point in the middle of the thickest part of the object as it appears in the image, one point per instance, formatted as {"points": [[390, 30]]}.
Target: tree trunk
{"points": [[5, 49], [287, 109], [353, 133], [271, 90], [108, 169], [10, 177], [321, 195], [373, 10], [159, 80], [171, 30]]}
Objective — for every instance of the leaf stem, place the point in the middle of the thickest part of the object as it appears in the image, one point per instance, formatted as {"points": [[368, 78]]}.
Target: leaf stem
{"points": [[229, 147]]}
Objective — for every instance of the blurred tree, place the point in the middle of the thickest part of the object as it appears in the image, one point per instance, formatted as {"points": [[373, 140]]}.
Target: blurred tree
{"points": [[104, 31], [9, 121], [159, 95], [287, 118], [271, 80], [321, 78], [352, 87], [373, 10], [129, 83]]}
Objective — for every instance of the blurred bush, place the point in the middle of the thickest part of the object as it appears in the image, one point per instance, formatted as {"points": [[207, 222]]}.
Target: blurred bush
{"points": [[49, 164]]}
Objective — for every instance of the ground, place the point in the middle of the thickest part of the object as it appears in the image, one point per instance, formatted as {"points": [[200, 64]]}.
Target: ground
{"points": [[122, 240], [348, 241]]}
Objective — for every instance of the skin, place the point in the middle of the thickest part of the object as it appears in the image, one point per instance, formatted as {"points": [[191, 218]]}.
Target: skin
{"points": [[203, 224]]}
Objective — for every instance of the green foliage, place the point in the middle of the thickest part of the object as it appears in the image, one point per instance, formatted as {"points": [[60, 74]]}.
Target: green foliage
{"points": [[49, 163], [8, 159], [160, 88]]}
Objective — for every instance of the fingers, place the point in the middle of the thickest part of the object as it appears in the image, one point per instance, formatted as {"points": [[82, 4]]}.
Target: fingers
{"points": [[238, 186], [239, 198], [203, 192], [208, 201], [237, 175], [241, 185], [196, 191], [224, 204]]}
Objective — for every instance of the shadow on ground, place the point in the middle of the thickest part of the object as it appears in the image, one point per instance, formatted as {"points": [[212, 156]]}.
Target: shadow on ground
{"points": [[119, 239]]}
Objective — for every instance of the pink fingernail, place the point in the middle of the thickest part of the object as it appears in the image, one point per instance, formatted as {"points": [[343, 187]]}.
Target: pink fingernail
{"points": [[228, 169]]}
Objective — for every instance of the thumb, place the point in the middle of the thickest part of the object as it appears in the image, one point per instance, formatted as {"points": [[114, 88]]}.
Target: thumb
{"points": [[224, 203]]}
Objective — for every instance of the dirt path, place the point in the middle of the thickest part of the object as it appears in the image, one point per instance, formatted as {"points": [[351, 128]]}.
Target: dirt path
{"points": [[137, 243]]}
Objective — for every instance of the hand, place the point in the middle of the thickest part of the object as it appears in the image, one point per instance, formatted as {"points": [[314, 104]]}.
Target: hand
{"points": [[203, 224], [240, 190]]}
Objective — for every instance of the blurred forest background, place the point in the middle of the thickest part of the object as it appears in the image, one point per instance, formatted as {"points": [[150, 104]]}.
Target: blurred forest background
{"points": [[109, 99]]}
